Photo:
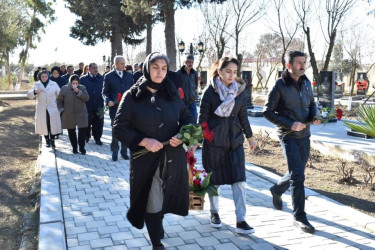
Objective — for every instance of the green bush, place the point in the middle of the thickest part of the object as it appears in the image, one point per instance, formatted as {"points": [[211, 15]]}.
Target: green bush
{"points": [[4, 84]]}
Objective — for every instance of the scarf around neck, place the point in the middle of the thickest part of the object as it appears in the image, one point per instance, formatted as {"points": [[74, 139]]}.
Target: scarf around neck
{"points": [[227, 95]]}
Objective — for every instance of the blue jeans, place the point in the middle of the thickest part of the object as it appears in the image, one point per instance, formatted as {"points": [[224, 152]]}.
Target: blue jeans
{"points": [[193, 110], [239, 198], [296, 152]]}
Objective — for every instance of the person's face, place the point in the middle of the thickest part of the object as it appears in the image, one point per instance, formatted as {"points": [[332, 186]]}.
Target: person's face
{"points": [[44, 77], [136, 68], [75, 83], [189, 63], [86, 70], [120, 64], [158, 70], [228, 73], [93, 69], [107, 69], [298, 67], [81, 65], [55, 74], [70, 70], [63, 68]]}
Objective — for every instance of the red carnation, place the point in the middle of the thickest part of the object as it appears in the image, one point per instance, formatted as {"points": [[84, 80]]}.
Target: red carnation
{"points": [[339, 114], [119, 96], [314, 83], [208, 135], [181, 92], [204, 125], [192, 160], [197, 182]]}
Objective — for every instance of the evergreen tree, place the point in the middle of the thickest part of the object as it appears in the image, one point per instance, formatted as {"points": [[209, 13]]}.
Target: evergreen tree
{"points": [[100, 20]]}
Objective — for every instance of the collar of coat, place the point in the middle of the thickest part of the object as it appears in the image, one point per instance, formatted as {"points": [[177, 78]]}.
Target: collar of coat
{"points": [[140, 92], [240, 82], [192, 71], [287, 78]]}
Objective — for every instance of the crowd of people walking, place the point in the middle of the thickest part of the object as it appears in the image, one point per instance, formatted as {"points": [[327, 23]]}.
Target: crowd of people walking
{"points": [[146, 108]]}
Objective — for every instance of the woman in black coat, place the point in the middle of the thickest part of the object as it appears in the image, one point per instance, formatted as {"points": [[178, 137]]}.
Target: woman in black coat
{"points": [[56, 77], [150, 113], [223, 107]]}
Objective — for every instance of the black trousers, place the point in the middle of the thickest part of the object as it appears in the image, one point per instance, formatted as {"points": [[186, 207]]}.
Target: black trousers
{"points": [[81, 138], [114, 144], [95, 125], [50, 135]]}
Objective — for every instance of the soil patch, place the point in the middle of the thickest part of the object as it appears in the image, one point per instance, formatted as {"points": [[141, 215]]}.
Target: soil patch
{"points": [[321, 173], [18, 154]]}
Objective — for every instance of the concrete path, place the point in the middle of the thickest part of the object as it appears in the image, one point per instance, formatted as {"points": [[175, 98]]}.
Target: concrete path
{"points": [[85, 199]]}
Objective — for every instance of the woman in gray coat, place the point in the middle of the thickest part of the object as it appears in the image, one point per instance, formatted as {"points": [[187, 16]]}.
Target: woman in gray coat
{"points": [[71, 103]]}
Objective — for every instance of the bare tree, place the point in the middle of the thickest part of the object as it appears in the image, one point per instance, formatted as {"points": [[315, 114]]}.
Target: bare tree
{"points": [[335, 10], [287, 28], [246, 12], [217, 18]]}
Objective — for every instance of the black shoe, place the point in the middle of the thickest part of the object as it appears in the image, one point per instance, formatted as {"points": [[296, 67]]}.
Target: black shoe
{"points": [[53, 146], [158, 247], [114, 156], [215, 220], [244, 228], [75, 151], [276, 199], [304, 225], [125, 156], [99, 142], [82, 150], [48, 143]]}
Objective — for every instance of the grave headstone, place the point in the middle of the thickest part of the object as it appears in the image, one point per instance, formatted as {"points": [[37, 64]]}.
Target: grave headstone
{"points": [[326, 91], [246, 76], [339, 85], [362, 83]]}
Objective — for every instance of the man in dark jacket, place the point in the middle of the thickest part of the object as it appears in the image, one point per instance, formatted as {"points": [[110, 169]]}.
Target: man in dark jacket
{"points": [[115, 84], [36, 72], [93, 82], [138, 74], [292, 108], [70, 72], [79, 71], [189, 84]]}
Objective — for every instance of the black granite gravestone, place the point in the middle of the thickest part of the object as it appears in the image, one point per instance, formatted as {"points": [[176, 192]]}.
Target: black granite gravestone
{"points": [[339, 85], [246, 76]]}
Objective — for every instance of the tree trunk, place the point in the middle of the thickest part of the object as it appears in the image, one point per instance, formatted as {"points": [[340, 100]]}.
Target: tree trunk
{"points": [[149, 34], [113, 48], [240, 59], [10, 81], [352, 76], [312, 56], [283, 59], [169, 33], [118, 38], [330, 49]]}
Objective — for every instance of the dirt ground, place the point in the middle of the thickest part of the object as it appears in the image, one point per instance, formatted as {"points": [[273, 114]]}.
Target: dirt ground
{"points": [[322, 175], [18, 154]]}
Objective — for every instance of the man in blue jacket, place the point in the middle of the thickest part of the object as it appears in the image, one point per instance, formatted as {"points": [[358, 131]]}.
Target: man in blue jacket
{"points": [[115, 84], [93, 82]]}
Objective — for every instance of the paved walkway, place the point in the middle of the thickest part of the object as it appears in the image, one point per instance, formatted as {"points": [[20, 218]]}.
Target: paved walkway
{"points": [[95, 198]]}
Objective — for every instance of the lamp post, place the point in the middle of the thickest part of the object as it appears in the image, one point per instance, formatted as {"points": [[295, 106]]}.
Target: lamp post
{"points": [[192, 50]]}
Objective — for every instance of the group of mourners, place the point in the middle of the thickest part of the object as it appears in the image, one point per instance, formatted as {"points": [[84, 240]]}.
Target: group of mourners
{"points": [[146, 109]]}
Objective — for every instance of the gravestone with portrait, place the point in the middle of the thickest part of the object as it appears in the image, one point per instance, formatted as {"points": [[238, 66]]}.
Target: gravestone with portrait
{"points": [[326, 92], [361, 83], [339, 85]]}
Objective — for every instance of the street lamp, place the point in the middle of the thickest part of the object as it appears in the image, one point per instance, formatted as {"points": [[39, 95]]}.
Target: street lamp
{"points": [[104, 63], [192, 50], [181, 46]]}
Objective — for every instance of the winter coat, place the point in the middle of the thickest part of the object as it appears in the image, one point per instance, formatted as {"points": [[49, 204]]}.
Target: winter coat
{"points": [[46, 100], [113, 85], [61, 81], [290, 102], [189, 84], [136, 75], [94, 86], [224, 156], [138, 118], [72, 107], [66, 77]]}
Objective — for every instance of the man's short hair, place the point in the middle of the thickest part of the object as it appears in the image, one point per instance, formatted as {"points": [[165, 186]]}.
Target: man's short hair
{"points": [[135, 65], [62, 65], [81, 63], [190, 57], [293, 54], [91, 64], [117, 58]]}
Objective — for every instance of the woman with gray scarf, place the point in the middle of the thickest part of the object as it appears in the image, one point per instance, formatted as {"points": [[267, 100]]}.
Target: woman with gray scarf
{"points": [[71, 103], [223, 107]]}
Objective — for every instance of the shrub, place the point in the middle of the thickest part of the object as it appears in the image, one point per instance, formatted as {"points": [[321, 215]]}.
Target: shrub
{"points": [[345, 172], [366, 118]]}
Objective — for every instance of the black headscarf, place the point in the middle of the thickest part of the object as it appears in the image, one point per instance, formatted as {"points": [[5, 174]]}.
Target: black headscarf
{"points": [[40, 78], [146, 68]]}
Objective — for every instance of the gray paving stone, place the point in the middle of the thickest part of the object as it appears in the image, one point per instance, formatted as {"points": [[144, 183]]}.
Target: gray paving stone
{"points": [[88, 236], [189, 235], [52, 236], [50, 209], [101, 243], [121, 236], [172, 242], [140, 242], [226, 246], [207, 241], [190, 247], [50, 185], [108, 230]]}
